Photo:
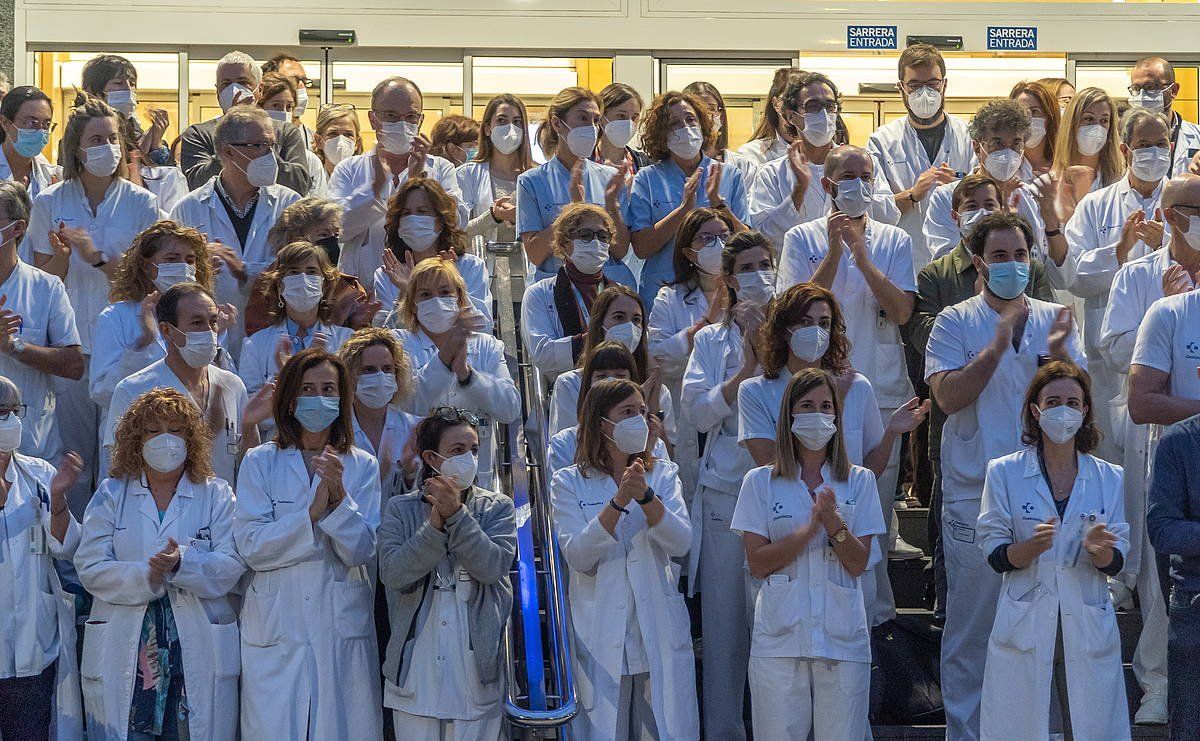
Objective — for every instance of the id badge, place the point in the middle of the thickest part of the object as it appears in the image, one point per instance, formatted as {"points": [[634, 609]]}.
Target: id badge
{"points": [[37, 538]]}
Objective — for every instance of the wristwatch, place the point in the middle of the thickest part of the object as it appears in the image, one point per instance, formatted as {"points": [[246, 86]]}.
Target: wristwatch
{"points": [[16, 346], [101, 259], [839, 536], [649, 497]]}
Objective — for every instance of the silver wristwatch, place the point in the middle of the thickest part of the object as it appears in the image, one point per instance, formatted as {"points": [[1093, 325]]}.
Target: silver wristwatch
{"points": [[16, 346]]}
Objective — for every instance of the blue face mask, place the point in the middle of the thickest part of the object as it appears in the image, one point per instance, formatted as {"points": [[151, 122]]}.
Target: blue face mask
{"points": [[31, 142], [315, 413], [1008, 279], [160, 156]]}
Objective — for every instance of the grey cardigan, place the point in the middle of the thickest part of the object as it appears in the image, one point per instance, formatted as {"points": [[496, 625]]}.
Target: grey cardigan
{"points": [[199, 162], [481, 538]]}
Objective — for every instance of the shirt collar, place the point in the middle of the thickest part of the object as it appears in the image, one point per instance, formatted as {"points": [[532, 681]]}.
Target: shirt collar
{"points": [[960, 257], [241, 212]]}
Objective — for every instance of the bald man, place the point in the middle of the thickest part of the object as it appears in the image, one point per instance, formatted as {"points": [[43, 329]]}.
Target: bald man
{"points": [[1152, 85]]}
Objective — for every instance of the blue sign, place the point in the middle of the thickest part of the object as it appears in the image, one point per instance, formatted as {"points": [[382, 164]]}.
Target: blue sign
{"points": [[871, 37], [1012, 38]]}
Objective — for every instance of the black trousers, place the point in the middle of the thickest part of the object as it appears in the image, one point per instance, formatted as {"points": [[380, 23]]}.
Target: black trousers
{"points": [[25, 706]]}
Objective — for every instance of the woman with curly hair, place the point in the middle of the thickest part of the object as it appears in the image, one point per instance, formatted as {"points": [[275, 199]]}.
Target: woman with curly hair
{"points": [[160, 656], [676, 130], [422, 222]]}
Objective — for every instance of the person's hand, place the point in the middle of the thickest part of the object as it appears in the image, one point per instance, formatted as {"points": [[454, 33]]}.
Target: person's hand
{"points": [[10, 326], [227, 316], [657, 431], [416, 156], [398, 273], [798, 164], [575, 185], [1060, 332], [409, 457], [320, 340], [69, 467], [908, 417], [456, 343], [164, 562], [444, 497], [225, 257], [718, 306], [633, 483], [146, 318], [620, 180], [712, 188], [79, 241], [134, 172], [835, 230], [856, 242], [1151, 231], [749, 317], [283, 350], [1011, 315], [652, 387], [1097, 538], [328, 467], [258, 408], [504, 209], [1176, 280], [382, 174], [690, 187], [1194, 167], [1045, 192], [749, 352], [319, 505], [825, 505], [1043, 535], [930, 179], [160, 121], [61, 247]]}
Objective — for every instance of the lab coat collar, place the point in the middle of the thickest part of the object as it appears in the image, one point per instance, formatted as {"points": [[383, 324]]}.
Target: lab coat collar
{"points": [[705, 163], [1033, 467], [10, 474], [208, 191], [1125, 188], [183, 490]]}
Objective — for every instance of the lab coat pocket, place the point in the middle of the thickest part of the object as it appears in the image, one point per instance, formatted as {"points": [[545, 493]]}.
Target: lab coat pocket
{"points": [[1099, 628], [92, 665], [227, 654], [260, 620], [354, 607], [1015, 627], [846, 615], [962, 453], [776, 610], [47, 627]]}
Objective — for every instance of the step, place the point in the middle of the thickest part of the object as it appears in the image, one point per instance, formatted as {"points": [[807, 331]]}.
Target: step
{"points": [[912, 526]]}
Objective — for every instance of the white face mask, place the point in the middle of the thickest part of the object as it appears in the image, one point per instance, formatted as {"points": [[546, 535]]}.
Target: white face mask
{"points": [[338, 148], [685, 143], [1060, 423], [280, 116], [460, 468], [10, 433], [122, 101], [164, 453], [814, 429], [925, 103], [968, 219], [630, 434], [226, 96], [853, 197], [507, 138], [809, 343], [418, 231], [375, 390], [757, 287], [302, 292], [438, 314], [708, 257], [588, 257], [1037, 132], [627, 333], [1091, 139], [170, 273], [397, 137], [301, 101], [102, 159], [1150, 163], [1192, 235], [1003, 164], [262, 171], [199, 348], [1151, 101], [581, 140], [819, 128], [619, 133]]}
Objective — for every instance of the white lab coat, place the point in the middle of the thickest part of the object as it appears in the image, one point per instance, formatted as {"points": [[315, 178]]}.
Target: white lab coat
{"points": [[897, 149], [258, 363], [41, 175], [40, 617], [308, 629], [609, 577], [773, 213], [472, 269], [114, 357], [542, 331], [121, 531], [352, 184], [1061, 584], [167, 183], [564, 444], [475, 183], [756, 153], [1187, 144], [564, 403], [398, 426]]}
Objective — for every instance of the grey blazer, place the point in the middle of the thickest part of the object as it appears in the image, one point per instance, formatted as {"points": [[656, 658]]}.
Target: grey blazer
{"points": [[198, 156]]}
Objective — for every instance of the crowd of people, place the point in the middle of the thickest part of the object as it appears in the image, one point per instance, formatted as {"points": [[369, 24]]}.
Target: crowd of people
{"points": [[277, 342]]}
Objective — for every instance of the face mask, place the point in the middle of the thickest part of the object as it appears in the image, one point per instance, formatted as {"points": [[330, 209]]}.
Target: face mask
{"points": [[417, 231], [338, 148], [507, 138], [853, 197], [1150, 163], [1060, 423], [396, 137], [10, 433], [226, 96], [588, 257], [460, 468], [160, 156], [31, 142], [302, 292], [438, 314], [581, 140], [1037, 132], [1003, 164], [1091, 139], [102, 159], [757, 287], [968, 219], [925, 103], [332, 247], [375, 390], [5, 235], [630, 434], [819, 128], [301, 101], [199, 348], [262, 171], [122, 101], [619, 133], [1192, 235], [685, 143], [1007, 280], [315, 413], [170, 273], [627, 333], [814, 429], [164, 453], [1150, 101], [809, 343], [708, 257], [280, 116]]}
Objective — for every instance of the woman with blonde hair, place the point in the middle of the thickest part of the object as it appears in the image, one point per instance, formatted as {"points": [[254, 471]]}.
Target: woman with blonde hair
{"points": [[1087, 154], [488, 181], [454, 363], [160, 649], [337, 136]]}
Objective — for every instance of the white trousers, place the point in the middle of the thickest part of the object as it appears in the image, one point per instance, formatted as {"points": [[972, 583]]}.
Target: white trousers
{"points": [[1150, 655], [972, 588], [877, 585], [78, 422], [635, 714], [432, 729], [790, 697]]}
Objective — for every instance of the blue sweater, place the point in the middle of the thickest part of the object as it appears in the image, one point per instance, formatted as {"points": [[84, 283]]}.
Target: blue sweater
{"points": [[1173, 516]]}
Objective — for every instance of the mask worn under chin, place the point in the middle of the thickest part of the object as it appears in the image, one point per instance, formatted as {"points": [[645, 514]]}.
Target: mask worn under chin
{"points": [[925, 103], [507, 138], [1003, 164], [397, 137], [627, 333], [619, 133], [685, 143], [10, 433], [1060, 423], [459, 468], [588, 257], [1091, 139], [375, 390], [819, 128], [236, 90], [302, 292], [1150, 163], [31, 142], [581, 140], [809, 343], [164, 453], [631, 434], [814, 429], [338, 148], [757, 287], [438, 314], [853, 197], [102, 159], [315, 413], [1007, 280], [199, 348], [418, 231], [1037, 132], [170, 273]]}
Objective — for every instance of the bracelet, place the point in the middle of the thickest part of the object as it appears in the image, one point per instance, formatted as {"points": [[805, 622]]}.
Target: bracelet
{"points": [[718, 206], [613, 503], [910, 197], [649, 497], [1053, 232], [59, 511]]}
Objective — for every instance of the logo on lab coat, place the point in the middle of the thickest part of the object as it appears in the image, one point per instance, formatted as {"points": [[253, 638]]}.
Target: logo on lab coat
{"points": [[777, 508], [1193, 349], [1027, 508]]}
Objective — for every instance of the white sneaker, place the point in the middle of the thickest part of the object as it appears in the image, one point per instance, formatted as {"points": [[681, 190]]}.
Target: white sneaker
{"points": [[902, 551], [1153, 711]]}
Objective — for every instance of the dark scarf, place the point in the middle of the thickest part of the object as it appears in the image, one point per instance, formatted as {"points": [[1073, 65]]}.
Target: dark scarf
{"points": [[570, 314]]}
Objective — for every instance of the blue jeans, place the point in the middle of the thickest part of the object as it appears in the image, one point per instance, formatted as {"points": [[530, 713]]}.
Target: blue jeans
{"points": [[1183, 665]]}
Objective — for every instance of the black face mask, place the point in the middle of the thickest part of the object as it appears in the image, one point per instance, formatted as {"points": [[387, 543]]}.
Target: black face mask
{"points": [[333, 249]]}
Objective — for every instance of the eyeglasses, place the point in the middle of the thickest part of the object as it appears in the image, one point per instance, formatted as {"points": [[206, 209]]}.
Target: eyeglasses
{"points": [[33, 123], [816, 106], [710, 239], [1135, 89], [454, 414], [6, 413], [326, 107], [587, 235], [256, 146], [414, 117], [916, 85]]}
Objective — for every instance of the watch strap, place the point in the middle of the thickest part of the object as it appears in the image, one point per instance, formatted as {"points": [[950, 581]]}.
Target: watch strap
{"points": [[647, 498]]}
